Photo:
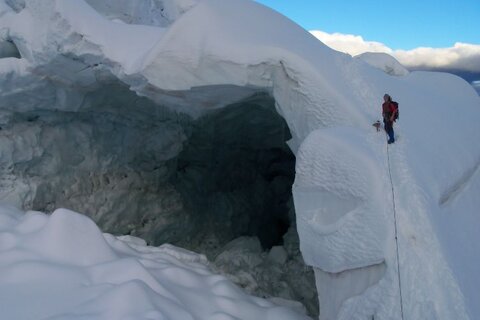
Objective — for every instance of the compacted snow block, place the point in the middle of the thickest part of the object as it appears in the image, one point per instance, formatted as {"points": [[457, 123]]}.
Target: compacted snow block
{"points": [[338, 195], [112, 108]]}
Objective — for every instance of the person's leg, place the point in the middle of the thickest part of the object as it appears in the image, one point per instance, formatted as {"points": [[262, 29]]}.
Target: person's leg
{"points": [[392, 134], [389, 131]]}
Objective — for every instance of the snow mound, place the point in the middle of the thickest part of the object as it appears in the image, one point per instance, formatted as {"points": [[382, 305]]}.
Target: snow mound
{"points": [[384, 62], [64, 267]]}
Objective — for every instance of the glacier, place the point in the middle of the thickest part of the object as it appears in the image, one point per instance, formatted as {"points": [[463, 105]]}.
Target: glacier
{"points": [[187, 122]]}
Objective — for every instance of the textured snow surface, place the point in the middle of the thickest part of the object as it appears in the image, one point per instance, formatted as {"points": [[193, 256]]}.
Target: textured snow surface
{"points": [[384, 62], [199, 56], [63, 267]]}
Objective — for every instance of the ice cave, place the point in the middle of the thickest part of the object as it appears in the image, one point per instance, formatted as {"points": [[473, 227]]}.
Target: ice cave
{"points": [[210, 159], [213, 185], [137, 168]]}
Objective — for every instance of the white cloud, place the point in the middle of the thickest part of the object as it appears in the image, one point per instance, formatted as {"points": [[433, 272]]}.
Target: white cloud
{"points": [[461, 56], [349, 43]]}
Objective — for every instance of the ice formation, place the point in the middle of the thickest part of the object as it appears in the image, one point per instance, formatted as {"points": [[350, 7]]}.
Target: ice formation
{"points": [[168, 120]]}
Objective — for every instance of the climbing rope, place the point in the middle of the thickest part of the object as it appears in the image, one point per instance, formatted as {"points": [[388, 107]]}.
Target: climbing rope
{"points": [[396, 234]]}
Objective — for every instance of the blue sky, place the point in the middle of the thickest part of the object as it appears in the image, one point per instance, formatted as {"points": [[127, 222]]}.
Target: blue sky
{"points": [[399, 24]]}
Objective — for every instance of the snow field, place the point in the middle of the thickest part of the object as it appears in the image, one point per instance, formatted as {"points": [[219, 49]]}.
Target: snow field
{"points": [[63, 267]]}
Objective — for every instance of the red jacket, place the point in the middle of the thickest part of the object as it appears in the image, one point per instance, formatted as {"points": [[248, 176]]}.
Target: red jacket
{"points": [[388, 110]]}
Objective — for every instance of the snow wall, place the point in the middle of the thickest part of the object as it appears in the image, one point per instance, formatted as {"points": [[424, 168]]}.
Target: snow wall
{"points": [[141, 78]]}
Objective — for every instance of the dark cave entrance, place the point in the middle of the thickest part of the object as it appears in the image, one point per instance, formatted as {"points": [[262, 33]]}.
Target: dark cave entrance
{"points": [[138, 168], [219, 185], [236, 172], [8, 49], [235, 175]]}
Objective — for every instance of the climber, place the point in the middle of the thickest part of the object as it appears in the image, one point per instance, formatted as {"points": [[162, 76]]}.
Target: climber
{"points": [[390, 114]]}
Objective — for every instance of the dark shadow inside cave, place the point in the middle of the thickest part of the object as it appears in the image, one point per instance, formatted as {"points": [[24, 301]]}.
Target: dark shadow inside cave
{"points": [[236, 172], [8, 49]]}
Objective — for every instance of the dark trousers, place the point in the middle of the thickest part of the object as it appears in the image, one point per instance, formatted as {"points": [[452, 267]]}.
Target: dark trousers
{"points": [[389, 131]]}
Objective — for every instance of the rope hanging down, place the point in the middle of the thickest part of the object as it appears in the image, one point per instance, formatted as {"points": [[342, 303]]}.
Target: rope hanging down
{"points": [[396, 234]]}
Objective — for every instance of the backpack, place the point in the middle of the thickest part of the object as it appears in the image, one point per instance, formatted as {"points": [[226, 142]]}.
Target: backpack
{"points": [[395, 108]]}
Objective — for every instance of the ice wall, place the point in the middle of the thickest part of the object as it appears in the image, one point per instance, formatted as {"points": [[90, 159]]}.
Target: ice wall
{"points": [[91, 161], [167, 188]]}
